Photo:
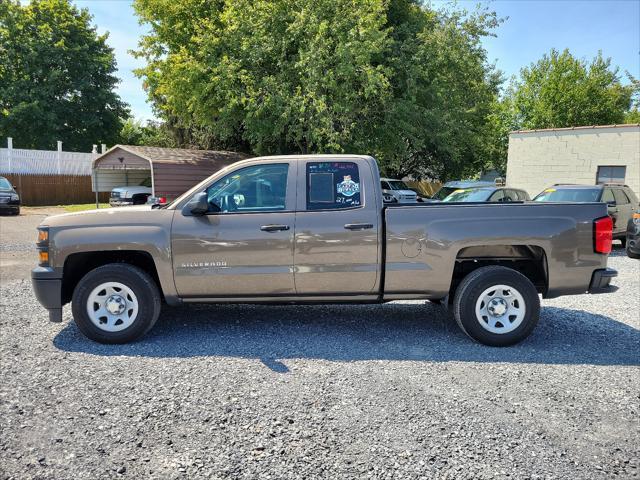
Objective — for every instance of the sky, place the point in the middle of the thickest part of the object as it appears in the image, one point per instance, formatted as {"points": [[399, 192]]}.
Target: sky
{"points": [[531, 28]]}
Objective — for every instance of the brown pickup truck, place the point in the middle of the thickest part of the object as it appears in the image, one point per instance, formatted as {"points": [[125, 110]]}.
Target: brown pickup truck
{"points": [[313, 229]]}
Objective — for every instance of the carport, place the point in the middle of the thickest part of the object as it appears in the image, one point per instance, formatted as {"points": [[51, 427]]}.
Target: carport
{"points": [[172, 170]]}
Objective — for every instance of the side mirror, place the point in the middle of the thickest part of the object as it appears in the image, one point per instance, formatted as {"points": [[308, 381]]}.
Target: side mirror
{"points": [[198, 205], [611, 203], [14, 187]]}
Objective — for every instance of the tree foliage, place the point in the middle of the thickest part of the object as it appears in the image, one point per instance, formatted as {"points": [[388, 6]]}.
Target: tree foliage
{"points": [[56, 77], [391, 78], [153, 134], [562, 91]]}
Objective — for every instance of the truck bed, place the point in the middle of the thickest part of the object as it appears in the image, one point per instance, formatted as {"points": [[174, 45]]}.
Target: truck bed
{"points": [[426, 242]]}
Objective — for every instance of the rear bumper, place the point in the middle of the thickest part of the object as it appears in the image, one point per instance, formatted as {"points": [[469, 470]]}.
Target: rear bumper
{"points": [[48, 291], [601, 281]]}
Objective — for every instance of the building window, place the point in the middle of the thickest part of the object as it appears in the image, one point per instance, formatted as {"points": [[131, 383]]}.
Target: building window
{"points": [[611, 174]]}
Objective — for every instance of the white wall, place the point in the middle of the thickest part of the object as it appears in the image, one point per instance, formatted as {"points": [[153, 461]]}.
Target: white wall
{"points": [[538, 159]]}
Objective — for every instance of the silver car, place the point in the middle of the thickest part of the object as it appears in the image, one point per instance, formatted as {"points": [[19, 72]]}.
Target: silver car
{"points": [[396, 191]]}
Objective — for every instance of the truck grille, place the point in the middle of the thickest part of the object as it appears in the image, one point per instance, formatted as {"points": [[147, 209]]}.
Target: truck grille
{"points": [[115, 194]]}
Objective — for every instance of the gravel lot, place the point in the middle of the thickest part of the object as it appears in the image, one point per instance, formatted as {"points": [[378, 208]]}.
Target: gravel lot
{"points": [[392, 391]]}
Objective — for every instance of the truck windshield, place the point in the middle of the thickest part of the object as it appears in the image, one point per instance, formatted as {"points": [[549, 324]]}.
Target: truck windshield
{"points": [[397, 185], [469, 195], [4, 184], [569, 195]]}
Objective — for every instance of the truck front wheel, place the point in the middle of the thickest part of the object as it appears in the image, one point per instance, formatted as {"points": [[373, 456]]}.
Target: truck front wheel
{"points": [[496, 306], [116, 303]]}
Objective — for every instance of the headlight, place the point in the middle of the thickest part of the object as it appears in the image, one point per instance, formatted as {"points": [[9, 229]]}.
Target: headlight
{"points": [[15, 197], [636, 218], [43, 246]]}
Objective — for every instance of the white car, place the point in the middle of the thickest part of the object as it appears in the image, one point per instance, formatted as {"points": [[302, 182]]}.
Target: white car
{"points": [[131, 195], [397, 191]]}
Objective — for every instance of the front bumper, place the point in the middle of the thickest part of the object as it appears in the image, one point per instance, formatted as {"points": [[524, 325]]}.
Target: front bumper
{"points": [[48, 290], [601, 281]]}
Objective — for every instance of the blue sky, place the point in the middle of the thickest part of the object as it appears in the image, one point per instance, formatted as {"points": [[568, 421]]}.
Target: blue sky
{"points": [[532, 28]]}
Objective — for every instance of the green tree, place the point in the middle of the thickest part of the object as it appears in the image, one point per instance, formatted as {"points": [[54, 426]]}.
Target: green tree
{"points": [[562, 91], [153, 134], [388, 77], [56, 77]]}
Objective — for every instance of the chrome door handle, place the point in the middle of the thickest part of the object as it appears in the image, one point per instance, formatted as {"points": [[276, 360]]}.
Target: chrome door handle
{"points": [[274, 228], [358, 226]]}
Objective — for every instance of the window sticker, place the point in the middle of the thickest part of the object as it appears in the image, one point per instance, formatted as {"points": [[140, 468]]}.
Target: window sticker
{"points": [[348, 187]]}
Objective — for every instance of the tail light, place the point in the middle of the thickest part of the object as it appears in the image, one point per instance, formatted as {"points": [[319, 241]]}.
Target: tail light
{"points": [[162, 200], [602, 235]]}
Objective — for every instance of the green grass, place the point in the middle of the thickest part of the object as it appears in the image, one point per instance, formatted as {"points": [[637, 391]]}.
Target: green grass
{"points": [[83, 206]]}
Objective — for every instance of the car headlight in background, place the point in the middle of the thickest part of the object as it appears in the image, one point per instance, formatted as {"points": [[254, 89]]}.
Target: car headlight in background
{"points": [[15, 197]]}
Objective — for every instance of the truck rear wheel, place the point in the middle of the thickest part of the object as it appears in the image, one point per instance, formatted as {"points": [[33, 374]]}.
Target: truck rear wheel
{"points": [[116, 303], [496, 306]]}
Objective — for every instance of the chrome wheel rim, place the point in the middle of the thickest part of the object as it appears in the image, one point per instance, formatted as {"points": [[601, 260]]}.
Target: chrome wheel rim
{"points": [[112, 306], [500, 309]]}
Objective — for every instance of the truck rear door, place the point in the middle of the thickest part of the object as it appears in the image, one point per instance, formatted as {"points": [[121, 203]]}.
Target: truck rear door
{"points": [[338, 224]]}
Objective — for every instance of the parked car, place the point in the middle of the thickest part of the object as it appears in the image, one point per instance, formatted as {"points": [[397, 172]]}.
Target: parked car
{"points": [[396, 191], [313, 229], [9, 198], [633, 236], [450, 187], [487, 194], [131, 195], [621, 201]]}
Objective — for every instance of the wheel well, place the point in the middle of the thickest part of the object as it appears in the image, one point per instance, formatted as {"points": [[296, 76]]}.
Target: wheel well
{"points": [[77, 265], [529, 260]]}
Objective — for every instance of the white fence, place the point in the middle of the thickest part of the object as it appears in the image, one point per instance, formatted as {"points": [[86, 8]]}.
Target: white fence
{"points": [[45, 162]]}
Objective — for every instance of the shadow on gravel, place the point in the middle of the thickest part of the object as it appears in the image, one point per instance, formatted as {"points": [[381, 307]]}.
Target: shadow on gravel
{"points": [[416, 332]]}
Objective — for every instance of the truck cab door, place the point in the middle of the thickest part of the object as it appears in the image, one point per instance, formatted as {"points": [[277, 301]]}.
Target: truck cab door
{"points": [[243, 246], [338, 228]]}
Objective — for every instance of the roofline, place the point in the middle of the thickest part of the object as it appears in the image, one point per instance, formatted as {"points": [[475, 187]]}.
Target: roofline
{"points": [[568, 129], [122, 147]]}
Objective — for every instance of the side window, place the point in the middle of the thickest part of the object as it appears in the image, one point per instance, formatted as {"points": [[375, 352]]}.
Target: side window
{"points": [[384, 185], [497, 196], [607, 196], [252, 189], [522, 195], [621, 197], [333, 185], [510, 196]]}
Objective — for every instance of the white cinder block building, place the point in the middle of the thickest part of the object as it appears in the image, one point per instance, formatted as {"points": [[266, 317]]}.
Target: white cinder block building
{"points": [[586, 155]]}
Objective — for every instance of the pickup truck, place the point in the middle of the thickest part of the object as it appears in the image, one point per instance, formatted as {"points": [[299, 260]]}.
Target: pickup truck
{"points": [[313, 229]]}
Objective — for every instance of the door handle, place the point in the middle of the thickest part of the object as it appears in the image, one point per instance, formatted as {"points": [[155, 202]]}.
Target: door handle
{"points": [[274, 228], [358, 226]]}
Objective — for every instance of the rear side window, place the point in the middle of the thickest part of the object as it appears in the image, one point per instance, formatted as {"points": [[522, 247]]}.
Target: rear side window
{"points": [[621, 197], [333, 185], [607, 196]]}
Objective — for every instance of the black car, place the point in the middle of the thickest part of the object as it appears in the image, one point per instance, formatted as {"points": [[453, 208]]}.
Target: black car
{"points": [[633, 236], [620, 199], [487, 194], [9, 199]]}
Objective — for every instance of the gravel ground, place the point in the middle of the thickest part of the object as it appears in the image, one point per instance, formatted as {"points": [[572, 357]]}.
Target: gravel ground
{"points": [[392, 391]]}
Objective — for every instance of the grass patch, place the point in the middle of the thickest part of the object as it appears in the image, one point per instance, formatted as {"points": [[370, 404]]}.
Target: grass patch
{"points": [[83, 206]]}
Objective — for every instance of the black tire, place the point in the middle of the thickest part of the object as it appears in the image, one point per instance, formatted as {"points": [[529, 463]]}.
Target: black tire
{"points": [[144, 288], [630, 254], [469, 291]]}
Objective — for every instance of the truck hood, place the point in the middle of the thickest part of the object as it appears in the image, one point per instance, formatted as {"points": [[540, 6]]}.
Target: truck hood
{"points": [[137, 215]]}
